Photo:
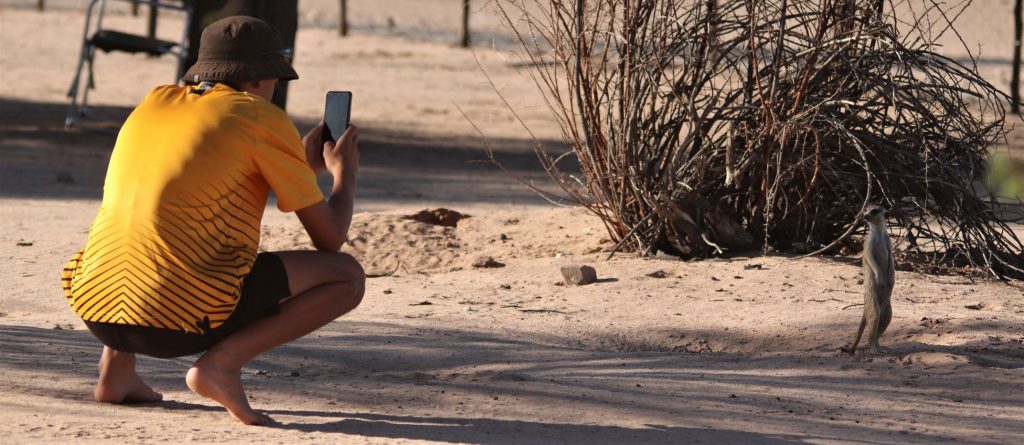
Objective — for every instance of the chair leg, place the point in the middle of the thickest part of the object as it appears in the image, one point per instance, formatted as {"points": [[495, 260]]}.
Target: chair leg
{"points": [[90, 83], [73, 109]]}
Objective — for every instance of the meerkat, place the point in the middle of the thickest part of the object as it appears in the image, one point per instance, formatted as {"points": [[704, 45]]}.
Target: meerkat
{"points": [[879, 278]]}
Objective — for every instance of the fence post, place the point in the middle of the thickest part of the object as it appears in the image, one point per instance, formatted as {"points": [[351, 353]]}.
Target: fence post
{"points": [[343, 18], [1018, 10], [464, 31]]}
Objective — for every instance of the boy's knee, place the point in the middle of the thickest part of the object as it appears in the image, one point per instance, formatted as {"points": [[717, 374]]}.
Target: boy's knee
{"points": [[351, 270], [353, 273]]}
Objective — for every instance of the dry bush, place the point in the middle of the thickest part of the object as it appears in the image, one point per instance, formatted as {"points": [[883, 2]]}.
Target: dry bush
{"points": [[702, 126]]}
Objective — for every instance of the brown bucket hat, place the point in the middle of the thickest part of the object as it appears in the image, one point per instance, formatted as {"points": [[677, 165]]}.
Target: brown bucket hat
{"points": [[240, 49]]}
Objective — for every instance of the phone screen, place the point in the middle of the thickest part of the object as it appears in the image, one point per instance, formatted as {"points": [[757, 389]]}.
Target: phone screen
{"points": [[336, 114]]}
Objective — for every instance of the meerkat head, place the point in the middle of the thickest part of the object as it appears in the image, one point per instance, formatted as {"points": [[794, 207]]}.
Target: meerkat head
{"points": [[875, 215]]}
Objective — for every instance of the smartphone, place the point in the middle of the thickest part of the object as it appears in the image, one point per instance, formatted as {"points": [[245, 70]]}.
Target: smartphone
{"points": [[336, 114]]}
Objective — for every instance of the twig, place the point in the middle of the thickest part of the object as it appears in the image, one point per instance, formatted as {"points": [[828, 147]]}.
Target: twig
{"points": [[541, 310], [385, 274]]}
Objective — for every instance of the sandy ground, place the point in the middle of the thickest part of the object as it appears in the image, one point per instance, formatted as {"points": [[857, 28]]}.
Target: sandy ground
{"points": [[740, 350]]}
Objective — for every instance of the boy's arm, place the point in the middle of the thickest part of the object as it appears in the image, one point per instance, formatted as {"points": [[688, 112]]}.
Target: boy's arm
{"points": [[327, 222]]}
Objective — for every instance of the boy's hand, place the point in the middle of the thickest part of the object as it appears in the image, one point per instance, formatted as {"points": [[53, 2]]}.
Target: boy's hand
{"points": [[342, 158], [315, 151]]}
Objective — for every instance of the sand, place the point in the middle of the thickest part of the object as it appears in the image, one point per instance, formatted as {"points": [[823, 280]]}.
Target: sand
{"points": [[740, 350]]}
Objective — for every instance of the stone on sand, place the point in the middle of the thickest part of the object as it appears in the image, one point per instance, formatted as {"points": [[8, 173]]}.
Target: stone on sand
{"points": [[578, 275], [486, 262]]}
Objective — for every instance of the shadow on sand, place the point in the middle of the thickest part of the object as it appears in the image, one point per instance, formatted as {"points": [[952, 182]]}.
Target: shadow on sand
{"points": [[402, 382], [41, 159]]}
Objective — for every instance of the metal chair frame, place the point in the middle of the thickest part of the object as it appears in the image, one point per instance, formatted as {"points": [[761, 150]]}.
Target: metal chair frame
{"points": [[78, 110]]}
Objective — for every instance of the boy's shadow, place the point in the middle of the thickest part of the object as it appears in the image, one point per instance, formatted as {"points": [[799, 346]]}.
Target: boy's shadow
{"points": [[486, 431]]}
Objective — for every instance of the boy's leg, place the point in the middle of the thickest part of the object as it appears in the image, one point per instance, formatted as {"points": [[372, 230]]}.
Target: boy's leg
{"points": [[118, 382], [324, 286]]}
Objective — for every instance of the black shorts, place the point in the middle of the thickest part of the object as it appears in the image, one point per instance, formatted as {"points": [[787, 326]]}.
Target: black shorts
{"points": [[262, 292]]}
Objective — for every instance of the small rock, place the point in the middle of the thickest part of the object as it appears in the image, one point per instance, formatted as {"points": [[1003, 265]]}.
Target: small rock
{"points": [[422, 303], [662, 255], [65, 178], [468, 309], [753, 266], [732, 396], [658, 274], [294, 374], [503, 237], [23, 243], [578, 275], [506, 286], [487, 262], [975, 306], [387, 291]]}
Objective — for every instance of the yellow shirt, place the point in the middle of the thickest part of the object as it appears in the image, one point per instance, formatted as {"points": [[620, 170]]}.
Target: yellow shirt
{"points": [[179, 224]]}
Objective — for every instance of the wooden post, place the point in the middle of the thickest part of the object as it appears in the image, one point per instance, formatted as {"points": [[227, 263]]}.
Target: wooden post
{"points": [[464, 31], [151, 28], [343, 19], [1018, 11]]}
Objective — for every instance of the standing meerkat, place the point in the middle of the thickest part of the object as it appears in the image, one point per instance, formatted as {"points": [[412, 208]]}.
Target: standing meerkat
{"points": [[879, 277]]}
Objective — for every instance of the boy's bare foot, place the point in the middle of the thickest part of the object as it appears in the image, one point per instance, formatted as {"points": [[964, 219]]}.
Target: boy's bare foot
{"points": [[118, 382], [224, 386], [125, 390]]}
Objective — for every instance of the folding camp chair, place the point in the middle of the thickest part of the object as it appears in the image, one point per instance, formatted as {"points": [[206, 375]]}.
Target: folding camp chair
{"points": [[97, 38]]}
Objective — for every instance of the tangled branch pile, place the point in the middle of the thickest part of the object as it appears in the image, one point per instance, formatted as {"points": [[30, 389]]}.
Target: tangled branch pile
{"points": [[707, 125]]}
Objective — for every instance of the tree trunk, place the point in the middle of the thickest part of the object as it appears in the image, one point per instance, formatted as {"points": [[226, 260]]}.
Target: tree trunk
{"points": [[464, 31], [713, 30], [1018, 11], [343, 18]]}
